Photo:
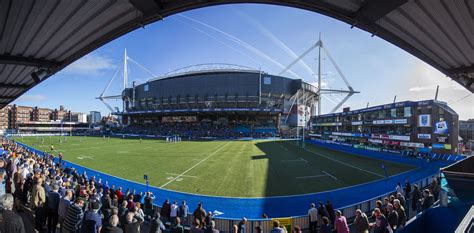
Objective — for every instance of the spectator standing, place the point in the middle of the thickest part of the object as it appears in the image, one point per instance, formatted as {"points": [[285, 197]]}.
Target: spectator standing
{"points": [[38, 201], [361, 222], [64, 204], [407, 189], [92, 222], [416, 198], [313, 218], [74, 215], [10, 221], [276, 227], [380, 225], [322, 211], [340, 223], [177, 228], [174, 212], [241, 226], [183, 212], [325, 226], [392, 217], [165, 210], [156, 226], [52, 208], [330, 210], [428, 199], [402, 218], [196, 228], [200, 213], [212, 228], [130, 225], [112, 227]]}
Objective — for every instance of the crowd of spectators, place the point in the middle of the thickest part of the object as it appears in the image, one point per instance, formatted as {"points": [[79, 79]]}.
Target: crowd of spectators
{"points": [[193, 130], [62, 200], [389, 214]]}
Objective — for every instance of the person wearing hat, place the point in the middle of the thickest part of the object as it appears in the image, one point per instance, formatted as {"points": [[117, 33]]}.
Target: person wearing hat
{"points": [[92, 221], [241, 226]]}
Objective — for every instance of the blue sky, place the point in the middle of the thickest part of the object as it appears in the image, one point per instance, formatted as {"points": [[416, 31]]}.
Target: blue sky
{"points": [[258, 36]]}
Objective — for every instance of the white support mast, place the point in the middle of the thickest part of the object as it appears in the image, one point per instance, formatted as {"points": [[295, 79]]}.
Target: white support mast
{"points": [[125, 70], [319, 44]]}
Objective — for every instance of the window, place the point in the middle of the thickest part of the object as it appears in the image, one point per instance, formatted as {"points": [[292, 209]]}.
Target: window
{"points": [[267, 80], [146, 87], [407, 111], [393, 112]]}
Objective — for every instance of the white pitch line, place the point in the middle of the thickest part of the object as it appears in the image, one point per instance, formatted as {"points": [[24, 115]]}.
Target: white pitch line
{"points": [[294, 160], [335, 178], [195, 165], [349, 165], [174, 174], [304, 177]]}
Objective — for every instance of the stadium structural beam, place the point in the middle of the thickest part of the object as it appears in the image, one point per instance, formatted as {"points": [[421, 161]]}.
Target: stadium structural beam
{"points": [[148, 8], [462, 70], [374, 10], [11, 85], [28, 61]]}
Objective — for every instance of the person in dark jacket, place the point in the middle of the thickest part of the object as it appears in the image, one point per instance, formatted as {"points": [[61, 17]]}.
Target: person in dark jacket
{"points": [[200, 213], [52, 205], [166, 210], [241, 227], [156, 226], [380, 224], [415, 200], [331, 212], [211, 228], [392, 217], [112, 226], [326, 226], [428, 199], [177, 228], [10, 221], [322, 211], [130, 226]]}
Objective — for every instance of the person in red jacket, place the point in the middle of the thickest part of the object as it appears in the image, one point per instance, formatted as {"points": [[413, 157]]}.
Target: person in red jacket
{"points": [[119, 195]]}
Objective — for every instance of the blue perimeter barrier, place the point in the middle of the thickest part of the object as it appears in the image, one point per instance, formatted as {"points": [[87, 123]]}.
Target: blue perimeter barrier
{"points": [[280, 206]]}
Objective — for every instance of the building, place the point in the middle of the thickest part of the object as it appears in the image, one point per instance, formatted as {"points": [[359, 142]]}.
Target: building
{"points": [[41, 114], [4, 118], [13, 117], [18, 114], [222, 95], [466, 130], [94, 117], [424, 126], [59, 115]]}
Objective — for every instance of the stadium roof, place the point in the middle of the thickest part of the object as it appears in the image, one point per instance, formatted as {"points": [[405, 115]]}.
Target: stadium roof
{"points": [[206, 68], [39, 38]]}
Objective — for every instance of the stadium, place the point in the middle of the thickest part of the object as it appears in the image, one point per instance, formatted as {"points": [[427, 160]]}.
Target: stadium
{"points": [[246, 101], [250, 147]]}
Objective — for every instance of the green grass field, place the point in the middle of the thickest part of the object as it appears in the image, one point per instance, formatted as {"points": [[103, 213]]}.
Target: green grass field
{"points": [[221, 168]]}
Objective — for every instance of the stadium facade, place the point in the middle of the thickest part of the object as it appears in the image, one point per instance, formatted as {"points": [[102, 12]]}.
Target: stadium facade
{"points": [[222, 94], [424, 126]]}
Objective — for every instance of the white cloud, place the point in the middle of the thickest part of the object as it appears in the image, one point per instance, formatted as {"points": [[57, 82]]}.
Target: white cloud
{"points": [[422, 88], [90, 64], [32, 98]]}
